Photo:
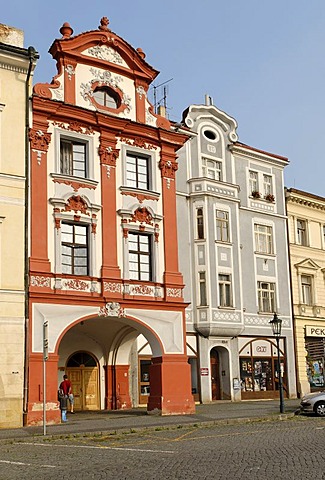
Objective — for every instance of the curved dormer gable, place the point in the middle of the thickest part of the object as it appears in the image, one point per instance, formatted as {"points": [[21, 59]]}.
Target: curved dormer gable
{"points": [[214, 132], [99, 71]]}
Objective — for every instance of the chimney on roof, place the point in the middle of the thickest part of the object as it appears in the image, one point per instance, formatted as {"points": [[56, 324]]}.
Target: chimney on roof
{"points": [[162, 110], [208, 100], [11, 36]]}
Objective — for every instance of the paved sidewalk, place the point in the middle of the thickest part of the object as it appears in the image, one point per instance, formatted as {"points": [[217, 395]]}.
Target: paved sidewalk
{"points": [[138, 419]]}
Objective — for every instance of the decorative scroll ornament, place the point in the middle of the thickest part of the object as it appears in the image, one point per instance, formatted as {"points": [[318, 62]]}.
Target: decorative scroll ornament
{"points": [[104, 78], [94, 224], [105, 53], [141, 290], [75, 126], [112, 287], [138, 142], [168, 168], [142, 215], [156, 234], [40, 142], [76, 285], [108, 155], [149, 117], [39, 281], [140, 196], [70, 71], [141, 91], [174, 292], [75, 185], [77, 204], [111, 309]]}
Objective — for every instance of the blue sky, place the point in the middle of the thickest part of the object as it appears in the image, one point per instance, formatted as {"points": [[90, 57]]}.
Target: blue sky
{"points": [[262, 62]]}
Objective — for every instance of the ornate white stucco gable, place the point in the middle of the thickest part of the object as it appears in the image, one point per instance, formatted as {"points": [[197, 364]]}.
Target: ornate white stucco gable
{"points": [[104, 52]]}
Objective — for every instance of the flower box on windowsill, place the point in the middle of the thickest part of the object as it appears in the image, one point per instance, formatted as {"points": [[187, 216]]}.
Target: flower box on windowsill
{"points": [[256, 194], [270, 198]]}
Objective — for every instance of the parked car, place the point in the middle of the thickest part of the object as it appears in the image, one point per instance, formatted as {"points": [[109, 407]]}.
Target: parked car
{"points": [[313, 403]]}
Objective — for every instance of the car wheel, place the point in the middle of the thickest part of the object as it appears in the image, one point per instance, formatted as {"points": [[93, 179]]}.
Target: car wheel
{"points": [[319, 409]]}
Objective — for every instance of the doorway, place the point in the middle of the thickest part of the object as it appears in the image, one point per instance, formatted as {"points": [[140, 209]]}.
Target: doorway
{"points": [[215, 375], [144, 379], [82, 370]]}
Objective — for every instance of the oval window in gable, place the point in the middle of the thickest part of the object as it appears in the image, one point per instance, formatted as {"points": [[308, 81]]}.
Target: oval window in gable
{"points": [[106, 97]]}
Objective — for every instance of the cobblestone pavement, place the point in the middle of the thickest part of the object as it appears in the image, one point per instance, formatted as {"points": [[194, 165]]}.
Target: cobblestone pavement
{"points": [[281, 449], [100, 421]]}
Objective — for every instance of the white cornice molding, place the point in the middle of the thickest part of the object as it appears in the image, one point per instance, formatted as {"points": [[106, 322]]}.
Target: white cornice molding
{"points": [[306, 202], [254, 155], [13, 68]]}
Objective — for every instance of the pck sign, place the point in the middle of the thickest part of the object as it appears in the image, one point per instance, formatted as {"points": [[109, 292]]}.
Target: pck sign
{"points": [[313, 331]]}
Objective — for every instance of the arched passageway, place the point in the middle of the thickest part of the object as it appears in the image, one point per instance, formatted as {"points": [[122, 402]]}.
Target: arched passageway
{"points": [[97, 353]]}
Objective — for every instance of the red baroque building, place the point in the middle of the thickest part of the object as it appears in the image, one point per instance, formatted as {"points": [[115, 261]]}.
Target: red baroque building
{"points": [[103, 252]]}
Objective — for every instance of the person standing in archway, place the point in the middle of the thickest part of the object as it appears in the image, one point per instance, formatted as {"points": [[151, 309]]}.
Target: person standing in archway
{"points": [[67, 390]]}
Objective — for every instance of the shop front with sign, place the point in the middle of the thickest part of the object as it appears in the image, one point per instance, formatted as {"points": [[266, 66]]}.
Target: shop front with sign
{"points": [[315, 348], [258, 358]]}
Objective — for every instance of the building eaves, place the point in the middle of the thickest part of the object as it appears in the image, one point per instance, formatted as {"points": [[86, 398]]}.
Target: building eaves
{"points": [[305, 198], [19, 51], [242, 147]]}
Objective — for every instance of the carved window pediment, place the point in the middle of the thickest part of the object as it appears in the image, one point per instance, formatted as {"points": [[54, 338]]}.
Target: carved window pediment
{"points": [[142, 215]]}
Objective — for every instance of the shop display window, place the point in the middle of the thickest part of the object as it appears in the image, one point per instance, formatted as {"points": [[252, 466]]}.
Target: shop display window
{"points": [[315, 372], [257, 374], [259, 368]]}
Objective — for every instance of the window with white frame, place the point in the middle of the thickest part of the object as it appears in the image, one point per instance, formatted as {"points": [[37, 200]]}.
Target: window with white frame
{"points": [[266, 297], [267, 185], [211, 168], [200, 223], [140, 256], [222, 226], [263, 238], [74, 249], [138, 171], [253, 182], [203, 289], [73, 157], [306, 289], [225, 296], [301, 232], [323, 231]]}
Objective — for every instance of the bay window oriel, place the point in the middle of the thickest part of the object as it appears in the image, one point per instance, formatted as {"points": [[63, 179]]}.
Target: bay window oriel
{"points": [[212, 168], [222, 226], [225, 293], [203, 289], [200, 223]]}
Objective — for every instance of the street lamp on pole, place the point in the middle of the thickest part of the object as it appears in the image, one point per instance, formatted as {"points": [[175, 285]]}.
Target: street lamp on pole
{"points": [[276, 324]]}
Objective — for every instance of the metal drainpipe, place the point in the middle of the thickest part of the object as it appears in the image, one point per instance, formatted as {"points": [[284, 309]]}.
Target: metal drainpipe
{"points": [[293, 318], [33, 56]]}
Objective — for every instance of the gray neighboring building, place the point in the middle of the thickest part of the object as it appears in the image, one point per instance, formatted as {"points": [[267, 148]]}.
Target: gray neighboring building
{"points": [[234, 258]]}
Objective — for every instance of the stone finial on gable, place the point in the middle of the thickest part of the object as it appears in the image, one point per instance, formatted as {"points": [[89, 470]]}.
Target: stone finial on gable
{"points": [[141, 53], [66, 30], [104, 24]]}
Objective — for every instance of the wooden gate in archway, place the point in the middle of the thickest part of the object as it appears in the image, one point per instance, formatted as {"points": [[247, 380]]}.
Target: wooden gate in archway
{"points": [[83, 373]]}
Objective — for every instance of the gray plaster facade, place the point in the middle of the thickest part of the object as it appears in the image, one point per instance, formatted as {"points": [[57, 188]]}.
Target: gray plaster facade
{"points": [[234, 258]]}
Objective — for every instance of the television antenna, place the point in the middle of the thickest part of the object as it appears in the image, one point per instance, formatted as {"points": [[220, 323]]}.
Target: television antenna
{"points": [[164, 97]]}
